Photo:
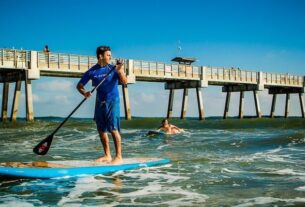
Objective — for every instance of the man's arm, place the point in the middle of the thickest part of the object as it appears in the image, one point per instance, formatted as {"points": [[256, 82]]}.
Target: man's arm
{"points": [[173, 126], [80, 87], [121, 72], [177, 128]]}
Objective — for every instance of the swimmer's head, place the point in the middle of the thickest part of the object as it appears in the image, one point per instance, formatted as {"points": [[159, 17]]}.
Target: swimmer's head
{"points": [[164, 122]]}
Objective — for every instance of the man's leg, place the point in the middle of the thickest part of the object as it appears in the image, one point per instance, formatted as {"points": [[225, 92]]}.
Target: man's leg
{"points": [[118, 147], [105, 142]]}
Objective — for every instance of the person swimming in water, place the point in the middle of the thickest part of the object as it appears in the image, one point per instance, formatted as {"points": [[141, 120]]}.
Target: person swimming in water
{"points": [[169, 128]]}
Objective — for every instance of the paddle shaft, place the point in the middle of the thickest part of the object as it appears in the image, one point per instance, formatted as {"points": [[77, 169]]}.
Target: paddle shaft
{"points": [[66, 119]]}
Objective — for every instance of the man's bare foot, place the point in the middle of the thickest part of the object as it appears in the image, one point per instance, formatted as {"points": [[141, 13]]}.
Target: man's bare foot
{"points": [[103, 159], [117, 161]]}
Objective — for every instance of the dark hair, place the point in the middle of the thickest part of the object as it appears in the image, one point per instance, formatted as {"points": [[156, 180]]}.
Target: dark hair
{"points": [[101, 50], [163, 121]]}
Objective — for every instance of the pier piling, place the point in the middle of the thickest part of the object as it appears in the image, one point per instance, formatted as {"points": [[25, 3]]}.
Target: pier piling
{"points": [[6, 86], [184, 103], [16, 98], [257, 105], [287, 105], [200, 103], [170, 103], [241, 105], [273, 106], [302, 104], [227, 105], [126, 102], [29, 100]]}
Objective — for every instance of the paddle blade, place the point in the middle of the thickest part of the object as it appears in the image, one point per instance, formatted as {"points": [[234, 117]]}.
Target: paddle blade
{"points": [[43, 147]]}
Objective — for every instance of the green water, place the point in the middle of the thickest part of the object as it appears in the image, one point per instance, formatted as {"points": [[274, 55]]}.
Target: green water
{"points": [[250, 162]]}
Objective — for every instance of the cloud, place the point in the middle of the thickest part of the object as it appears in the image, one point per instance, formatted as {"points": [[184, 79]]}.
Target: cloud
{"points": [[147, 98], [56, 85], [39, 99], [62, 99]]}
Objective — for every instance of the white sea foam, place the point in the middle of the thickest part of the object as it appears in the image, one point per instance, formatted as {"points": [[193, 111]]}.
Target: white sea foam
{"points": [[130, 131], [268, 200], [273, 155], [296, 149], [57, 157], [155, 184], [187, 134], [288, 171], [197, 169], [162, 146], [78, 140], [230, 171], [17, 202], [301, 188], [82, 185], [149, 174], [186, 197], [91, 137], [236, 144], [77, 130]]}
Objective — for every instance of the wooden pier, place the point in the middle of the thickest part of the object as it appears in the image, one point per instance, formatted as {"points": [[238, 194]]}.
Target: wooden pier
{"points": [[23, 65]]}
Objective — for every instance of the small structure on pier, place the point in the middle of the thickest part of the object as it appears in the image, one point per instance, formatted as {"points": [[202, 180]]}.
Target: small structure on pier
{"points": [[184, 67], [184, 60]]}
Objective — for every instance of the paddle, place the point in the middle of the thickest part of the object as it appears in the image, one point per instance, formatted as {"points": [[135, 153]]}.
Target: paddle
{"points": [[43, 147]]}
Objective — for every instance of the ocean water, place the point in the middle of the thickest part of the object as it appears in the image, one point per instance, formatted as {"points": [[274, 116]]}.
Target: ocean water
{"points": [[250, 162]]}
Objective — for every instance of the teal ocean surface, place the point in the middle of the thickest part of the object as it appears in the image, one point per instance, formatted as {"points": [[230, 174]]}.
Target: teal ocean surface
{"points": [[250, 162]]}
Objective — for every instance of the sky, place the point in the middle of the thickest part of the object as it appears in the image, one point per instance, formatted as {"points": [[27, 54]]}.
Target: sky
{"points": [[260, 35]]}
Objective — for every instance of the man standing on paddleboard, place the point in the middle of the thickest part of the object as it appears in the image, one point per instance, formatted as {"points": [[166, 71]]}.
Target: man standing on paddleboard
{"points": [[107, 106]]}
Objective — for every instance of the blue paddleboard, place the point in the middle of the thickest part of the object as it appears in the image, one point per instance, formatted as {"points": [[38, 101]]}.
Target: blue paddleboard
{"points": [[53, 169]]}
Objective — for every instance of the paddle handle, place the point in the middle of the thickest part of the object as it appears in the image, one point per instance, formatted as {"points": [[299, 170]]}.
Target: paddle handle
{"points": [[66, 119]]}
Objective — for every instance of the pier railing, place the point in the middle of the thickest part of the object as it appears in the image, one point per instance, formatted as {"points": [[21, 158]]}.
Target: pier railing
{"points": [[60, 61], [149, 68], [14, 58], [64, 64], [231, 75], [274, 79]]}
